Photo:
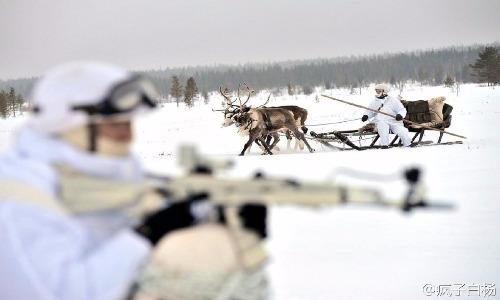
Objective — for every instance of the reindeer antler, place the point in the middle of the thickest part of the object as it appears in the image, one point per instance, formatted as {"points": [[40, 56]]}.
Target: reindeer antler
{"points": [[228, 101], [268, 97], [250, 92], [239, 99]]}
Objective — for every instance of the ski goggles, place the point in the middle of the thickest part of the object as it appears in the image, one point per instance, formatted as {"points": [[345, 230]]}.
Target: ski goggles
{"points": [[124, 97]]}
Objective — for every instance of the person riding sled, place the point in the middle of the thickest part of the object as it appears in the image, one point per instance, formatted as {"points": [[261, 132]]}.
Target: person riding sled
{"points": [[385, 103]]}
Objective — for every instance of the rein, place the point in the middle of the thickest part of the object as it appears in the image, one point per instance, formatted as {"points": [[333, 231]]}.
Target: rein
{"points": [[344, 121]]}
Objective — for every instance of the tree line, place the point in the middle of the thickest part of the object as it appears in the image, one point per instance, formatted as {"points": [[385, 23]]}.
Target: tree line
{"points": [[430, 67], [448, 66]]}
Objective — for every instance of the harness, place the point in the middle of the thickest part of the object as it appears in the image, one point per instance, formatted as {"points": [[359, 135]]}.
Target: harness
{"points": [[248, 125], [382, 99], [381, 105], [267, 121]]}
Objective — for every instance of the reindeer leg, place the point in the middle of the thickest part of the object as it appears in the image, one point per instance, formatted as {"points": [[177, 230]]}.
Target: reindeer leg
{"points": [[304, 130], [247, 144], [301, 136], [268, 139], [273, 137], [276, 137], [301, 144], [303, 122], [258, 142], [298, 143], [266, 146], [288, 139], [250, 147]]}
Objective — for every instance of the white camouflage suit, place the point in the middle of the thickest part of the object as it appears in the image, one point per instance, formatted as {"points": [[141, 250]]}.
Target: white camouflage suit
{"points": [[54, 248], [48, 253], [67, 214], [393, 106]]}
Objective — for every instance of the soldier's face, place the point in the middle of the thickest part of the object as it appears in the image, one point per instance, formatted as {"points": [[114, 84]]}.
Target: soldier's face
{"points": [[119, 131]]}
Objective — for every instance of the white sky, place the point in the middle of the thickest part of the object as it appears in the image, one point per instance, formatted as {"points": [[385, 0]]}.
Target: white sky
{"points": [[147, 34]]}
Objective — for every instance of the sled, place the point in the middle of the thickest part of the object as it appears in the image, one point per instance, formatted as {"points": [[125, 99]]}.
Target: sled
{"points": [[366, 137]]}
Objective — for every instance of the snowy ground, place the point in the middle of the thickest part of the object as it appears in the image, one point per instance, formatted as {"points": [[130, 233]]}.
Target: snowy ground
{"points": [[357, 252]]}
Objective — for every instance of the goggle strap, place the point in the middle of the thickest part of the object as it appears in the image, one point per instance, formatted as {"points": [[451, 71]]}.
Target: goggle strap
{"points": [[89, 109], [148, 101], [92, 131]]}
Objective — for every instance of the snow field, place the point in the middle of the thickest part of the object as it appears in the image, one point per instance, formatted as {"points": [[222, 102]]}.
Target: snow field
{"points": [[357, 252]]}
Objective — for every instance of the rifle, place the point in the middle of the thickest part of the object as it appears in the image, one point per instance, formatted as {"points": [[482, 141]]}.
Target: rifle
{"points": [[282, 191]]}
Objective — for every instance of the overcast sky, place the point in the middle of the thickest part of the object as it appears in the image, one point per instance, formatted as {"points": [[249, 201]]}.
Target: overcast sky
{"points": [[146, 34]]}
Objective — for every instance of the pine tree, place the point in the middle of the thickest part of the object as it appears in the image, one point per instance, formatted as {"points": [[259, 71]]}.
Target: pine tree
{"points": [[206, 98], [449, 81], [392, 81], [20, 103], [176, 89], [438, 75], [4, 108], [327, 84], [190, 92], [465, 73], [487, 66], [290, 89], [11, 101], [307, 90], [422, 76]]}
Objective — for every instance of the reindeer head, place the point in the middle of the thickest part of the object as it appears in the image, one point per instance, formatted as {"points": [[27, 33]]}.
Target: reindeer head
{"points": [[232, 111], [243, 121]]}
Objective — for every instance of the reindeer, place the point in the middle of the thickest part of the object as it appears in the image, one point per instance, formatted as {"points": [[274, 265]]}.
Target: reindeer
{"points": [[231, 110], [300, 116], [261, 122]]}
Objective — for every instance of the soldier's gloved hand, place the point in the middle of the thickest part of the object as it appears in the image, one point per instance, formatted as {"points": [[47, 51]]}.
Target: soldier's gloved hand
{"points": [[399, 117], [364, 118], [253, 217], [194, 209]]}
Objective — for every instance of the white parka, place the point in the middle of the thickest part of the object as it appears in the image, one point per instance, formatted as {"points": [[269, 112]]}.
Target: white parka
{"points": [[391, 106], [46, 252]]}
